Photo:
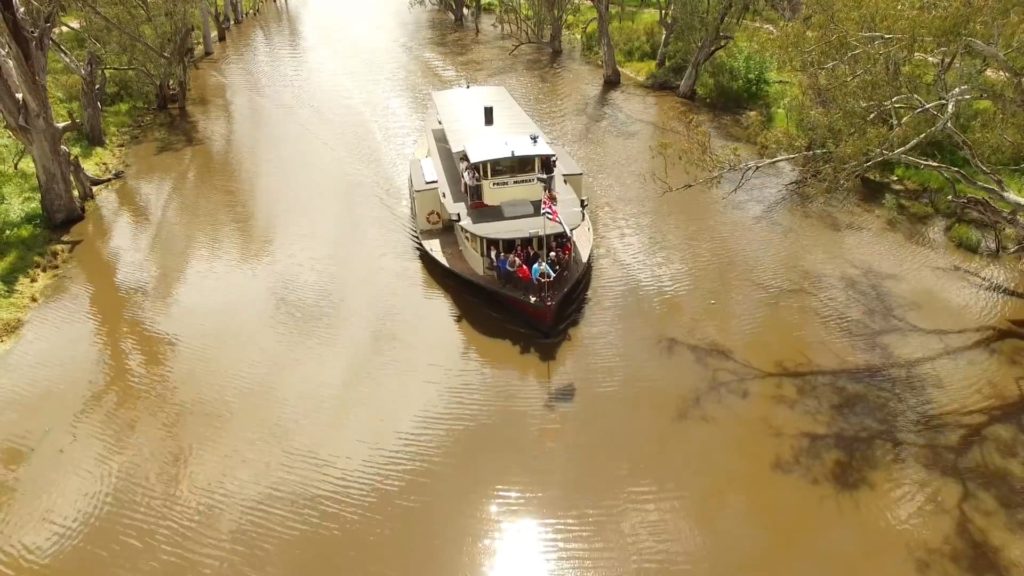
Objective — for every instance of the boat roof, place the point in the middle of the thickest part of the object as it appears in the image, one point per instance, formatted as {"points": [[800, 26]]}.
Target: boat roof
{"points": [[460, 111], [496, 148]]}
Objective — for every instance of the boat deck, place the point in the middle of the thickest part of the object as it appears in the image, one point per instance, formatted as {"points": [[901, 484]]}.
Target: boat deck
{"points": [[443, 245]]}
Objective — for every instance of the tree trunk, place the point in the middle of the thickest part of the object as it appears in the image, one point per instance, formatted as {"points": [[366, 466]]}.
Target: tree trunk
{"points": [[688, 87], [52, 173], [712, 42], [477, 10], [459, 11], [204, 15], [218, 21], [26, 110], [79, 177], [612, 76], [666, 35], [183, 86], [238, 10], [92, 112], [163, 95], [555, 40]]}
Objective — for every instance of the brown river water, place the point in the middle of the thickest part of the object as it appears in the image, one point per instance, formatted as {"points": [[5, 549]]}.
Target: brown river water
{"points": [[246, 368]]}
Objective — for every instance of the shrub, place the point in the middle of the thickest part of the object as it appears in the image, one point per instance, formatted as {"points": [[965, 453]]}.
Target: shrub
{"points": [[636, 40], [737, 77], [636, 37], [965, 236]]}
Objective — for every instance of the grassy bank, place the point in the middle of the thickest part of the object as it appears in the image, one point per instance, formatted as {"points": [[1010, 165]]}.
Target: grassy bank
{"points": [[30, 254]]}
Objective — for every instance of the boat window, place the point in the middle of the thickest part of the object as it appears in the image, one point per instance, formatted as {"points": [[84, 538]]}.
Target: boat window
{"points": [[510, 167]]}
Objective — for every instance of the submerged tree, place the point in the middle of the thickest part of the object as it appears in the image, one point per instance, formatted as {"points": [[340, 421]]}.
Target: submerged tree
{"points": [[457, 8], [611, 69], [537, 21]]}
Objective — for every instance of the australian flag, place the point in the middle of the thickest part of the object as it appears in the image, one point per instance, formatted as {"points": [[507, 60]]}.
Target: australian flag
{"points": [[547, 208]]}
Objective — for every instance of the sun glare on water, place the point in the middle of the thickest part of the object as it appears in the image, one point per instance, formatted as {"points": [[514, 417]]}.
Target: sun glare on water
{"points": [[519, 550]]}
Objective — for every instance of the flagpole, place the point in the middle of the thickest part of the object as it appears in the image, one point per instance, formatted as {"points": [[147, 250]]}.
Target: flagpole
{"points": [[544, 232]]}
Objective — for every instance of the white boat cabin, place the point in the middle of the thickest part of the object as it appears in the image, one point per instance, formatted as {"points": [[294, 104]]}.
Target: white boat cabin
{"points": [[486, 127]]}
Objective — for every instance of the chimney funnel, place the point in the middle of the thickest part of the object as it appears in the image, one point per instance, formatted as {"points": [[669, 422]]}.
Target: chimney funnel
{"points": [[488, 115]]}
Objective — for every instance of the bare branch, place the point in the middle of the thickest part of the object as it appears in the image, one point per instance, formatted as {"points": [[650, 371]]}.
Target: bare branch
{"points": [[519, 44], [747, 170], [992, 53], [82, 32], [141, 69], [69, 126], [68, 58]]}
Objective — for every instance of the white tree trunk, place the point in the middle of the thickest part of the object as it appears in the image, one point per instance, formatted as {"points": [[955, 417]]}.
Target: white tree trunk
{"points": [[204, 15], [612, 75]]}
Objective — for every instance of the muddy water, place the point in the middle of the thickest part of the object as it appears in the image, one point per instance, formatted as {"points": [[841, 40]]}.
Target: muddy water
{"points": [[247, 369]]}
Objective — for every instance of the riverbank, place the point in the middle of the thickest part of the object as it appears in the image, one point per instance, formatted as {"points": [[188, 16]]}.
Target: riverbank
{"points": [[744, 83], [31, 255]]}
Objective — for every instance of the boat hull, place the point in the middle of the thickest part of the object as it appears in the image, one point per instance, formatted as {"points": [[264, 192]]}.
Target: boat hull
{"points": [[547, 318]]}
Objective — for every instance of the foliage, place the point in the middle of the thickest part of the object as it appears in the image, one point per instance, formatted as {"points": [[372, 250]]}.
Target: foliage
{"points": [[739, 78], [153, 39], [636, 35], [904, 84]]}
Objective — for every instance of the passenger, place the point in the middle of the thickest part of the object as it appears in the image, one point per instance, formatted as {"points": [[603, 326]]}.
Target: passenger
{"points": [[463, 166], [501, 269], [549, 194], [541, 276], [475, 189], [532, 256], [547, 166], [567, 248], [493, 253], [553, 262], [523, 272], [513, 263]]}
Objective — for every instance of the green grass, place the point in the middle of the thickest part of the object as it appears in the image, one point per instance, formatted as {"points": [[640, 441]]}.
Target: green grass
{"points": [[28, 251], [932, 181], [966, 236], [641, 70]]}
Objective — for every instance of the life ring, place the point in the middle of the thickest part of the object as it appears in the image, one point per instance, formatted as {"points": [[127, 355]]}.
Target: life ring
{"points": [[433, 217]]}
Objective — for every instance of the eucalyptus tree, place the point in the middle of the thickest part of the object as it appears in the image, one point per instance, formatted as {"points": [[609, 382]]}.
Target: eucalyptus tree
{"points": [[25, 38]]}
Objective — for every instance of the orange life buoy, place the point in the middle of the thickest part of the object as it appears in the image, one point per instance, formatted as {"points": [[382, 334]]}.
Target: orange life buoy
{"points": [[433, 217]]}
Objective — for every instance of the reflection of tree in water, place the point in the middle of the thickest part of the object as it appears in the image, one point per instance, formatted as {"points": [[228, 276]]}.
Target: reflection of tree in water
{"points": [[866, 415]]}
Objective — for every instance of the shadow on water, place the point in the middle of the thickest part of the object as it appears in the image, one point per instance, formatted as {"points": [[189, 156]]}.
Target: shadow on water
{"points": [[486, 315], [175, 131], [867, 418]]}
